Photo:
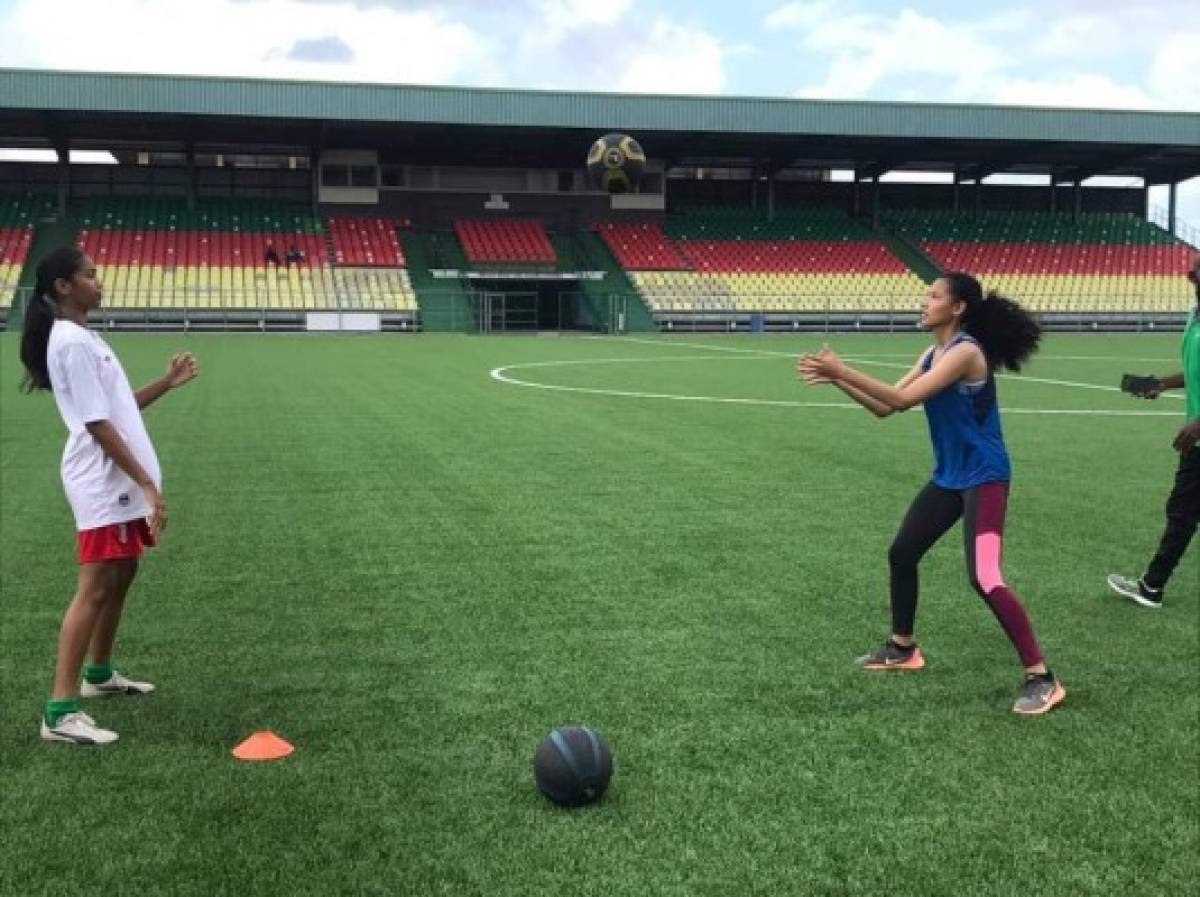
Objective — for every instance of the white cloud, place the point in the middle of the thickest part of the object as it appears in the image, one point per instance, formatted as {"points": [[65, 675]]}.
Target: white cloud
{"points": [[1083, 90], [556, 18], [866, 49], [675, 59], [225, 37], [799, 15], [1068, 55], [1175, 71], [566, 44], [1074, 37]]}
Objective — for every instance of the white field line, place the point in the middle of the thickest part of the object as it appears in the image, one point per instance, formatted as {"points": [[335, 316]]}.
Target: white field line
{"points": [[869, 359], [502, 375]]}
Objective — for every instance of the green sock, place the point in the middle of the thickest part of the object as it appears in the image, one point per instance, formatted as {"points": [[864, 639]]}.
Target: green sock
{"points": [[56, 710], [95, 673]]}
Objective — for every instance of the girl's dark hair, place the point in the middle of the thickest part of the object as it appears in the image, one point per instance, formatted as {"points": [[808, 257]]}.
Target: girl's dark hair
{"points": [[1007, 333], [40, 313]]}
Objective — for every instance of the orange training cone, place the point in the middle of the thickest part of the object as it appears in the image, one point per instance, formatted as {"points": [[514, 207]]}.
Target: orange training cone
{"points": [[263, 746]]}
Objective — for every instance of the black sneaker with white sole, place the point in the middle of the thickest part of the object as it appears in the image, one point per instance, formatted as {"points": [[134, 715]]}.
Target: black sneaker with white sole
{"points": [[1135, 590]]}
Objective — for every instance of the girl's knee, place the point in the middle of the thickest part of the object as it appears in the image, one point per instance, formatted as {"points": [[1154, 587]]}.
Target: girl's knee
{"points": [[901, 557], [99, 582]]}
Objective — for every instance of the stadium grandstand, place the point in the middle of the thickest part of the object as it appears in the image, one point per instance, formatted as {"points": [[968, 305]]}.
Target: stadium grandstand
{"points": [[243, 204]]}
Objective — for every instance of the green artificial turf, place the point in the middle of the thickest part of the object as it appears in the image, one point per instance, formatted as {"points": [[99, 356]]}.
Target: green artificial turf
{"points": [[413, 571]]}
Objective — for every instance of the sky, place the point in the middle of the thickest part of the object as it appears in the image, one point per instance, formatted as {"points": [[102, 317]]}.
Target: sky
{"points": [[1081, 53]]}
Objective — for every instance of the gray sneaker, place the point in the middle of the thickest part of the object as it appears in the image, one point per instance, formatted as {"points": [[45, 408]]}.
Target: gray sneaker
{"points": [[891, 656], [1039, 694], [1135, 590]]}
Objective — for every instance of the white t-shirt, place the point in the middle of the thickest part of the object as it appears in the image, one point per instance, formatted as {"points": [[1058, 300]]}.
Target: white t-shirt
{"points": [[89, 385]]}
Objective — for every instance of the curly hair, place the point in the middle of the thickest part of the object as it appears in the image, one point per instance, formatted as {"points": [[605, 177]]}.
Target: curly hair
{"points": [[1007, 333]]}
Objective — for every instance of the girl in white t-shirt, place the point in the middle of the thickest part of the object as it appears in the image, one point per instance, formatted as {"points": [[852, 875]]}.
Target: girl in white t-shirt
{"points": [[109, 472]]}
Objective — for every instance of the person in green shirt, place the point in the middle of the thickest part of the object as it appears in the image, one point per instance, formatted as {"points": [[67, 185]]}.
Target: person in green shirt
{"points": [[1183, 505]]}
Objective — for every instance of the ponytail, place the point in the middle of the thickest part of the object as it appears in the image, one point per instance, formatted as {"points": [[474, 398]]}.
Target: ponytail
{"points": [[1007, 333], [40, 312]]}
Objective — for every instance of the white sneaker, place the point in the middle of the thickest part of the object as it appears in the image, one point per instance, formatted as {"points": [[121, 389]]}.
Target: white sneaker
{"points": [[77, 728], [116, 685]]}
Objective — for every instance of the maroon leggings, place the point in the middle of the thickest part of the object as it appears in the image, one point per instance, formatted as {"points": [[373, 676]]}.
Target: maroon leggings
{"points": [[934, 511]]}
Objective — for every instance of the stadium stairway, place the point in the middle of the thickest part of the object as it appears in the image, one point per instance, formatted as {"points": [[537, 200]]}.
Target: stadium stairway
{"points": [[920, 264], [596, 256], [49, 234], [572, 258], [445, 305]]}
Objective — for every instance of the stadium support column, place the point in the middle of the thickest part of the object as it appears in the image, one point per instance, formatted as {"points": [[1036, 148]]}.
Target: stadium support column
{"points": [[190, 153], [856, 198], [314, 181], [875, 202], [62, 149], [956, 190], [1076, 200], [771, 196], [1053, 194], [1172, 198]]}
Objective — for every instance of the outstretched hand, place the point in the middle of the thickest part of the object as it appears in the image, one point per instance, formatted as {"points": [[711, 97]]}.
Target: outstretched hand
{"points": [[1186, 438], [181, 369], [820, 367]]}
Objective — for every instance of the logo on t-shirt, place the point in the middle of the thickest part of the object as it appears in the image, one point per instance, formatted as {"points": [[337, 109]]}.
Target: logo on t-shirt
{"points": [[123, 499]]}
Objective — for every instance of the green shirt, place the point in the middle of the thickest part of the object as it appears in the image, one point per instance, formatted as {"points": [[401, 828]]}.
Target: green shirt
{"points": [[1191, 366]]}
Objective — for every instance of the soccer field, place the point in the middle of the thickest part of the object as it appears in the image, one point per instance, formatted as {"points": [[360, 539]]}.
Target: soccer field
{"points": [[414, 556]]}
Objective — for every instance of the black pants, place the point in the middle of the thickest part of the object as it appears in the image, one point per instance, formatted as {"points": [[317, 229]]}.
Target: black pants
{"points": [[1183, 516]]}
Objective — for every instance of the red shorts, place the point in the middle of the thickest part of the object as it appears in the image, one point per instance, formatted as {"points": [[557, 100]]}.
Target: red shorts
{"points": [[115, 542]]}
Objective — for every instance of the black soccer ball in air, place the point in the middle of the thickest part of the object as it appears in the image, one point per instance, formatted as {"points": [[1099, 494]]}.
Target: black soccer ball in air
{"points": [[616, 163], [572, 766]]}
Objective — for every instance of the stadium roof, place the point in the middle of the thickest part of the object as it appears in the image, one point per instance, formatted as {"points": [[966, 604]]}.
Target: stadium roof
{"points": [[451, 125]]}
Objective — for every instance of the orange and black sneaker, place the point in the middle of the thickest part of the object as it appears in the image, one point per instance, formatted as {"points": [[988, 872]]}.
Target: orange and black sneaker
{"points": [[893, 657]]}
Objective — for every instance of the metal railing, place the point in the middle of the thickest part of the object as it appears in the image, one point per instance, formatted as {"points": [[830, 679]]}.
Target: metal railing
{"points": [[518, 311]]}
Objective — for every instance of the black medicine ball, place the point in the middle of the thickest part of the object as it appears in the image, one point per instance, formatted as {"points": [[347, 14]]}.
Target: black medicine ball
{"points": [[572, 766]]}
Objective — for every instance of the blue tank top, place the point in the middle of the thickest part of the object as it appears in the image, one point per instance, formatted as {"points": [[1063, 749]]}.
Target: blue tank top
{"points": [[964, 426]]}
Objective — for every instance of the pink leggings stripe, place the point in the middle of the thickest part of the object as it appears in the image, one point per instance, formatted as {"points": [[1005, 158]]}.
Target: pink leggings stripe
{"points": [[985, 507]]}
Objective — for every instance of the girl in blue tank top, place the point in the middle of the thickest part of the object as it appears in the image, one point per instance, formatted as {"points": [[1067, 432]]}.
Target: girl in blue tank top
{"points": [[955, 381]]}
